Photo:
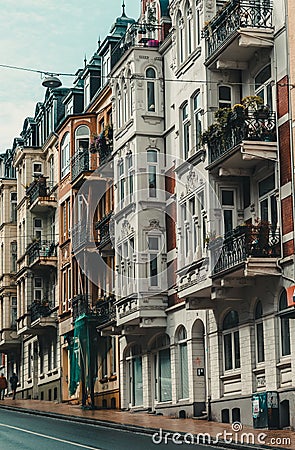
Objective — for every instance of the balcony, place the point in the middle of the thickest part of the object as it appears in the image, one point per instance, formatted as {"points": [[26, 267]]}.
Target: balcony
{"points": [[42, 315], [40, 195], [38, 319], [252, 250], [138, 35], [142, 314], [103, 311], [80, 164], [242, 141], [9, 339], [236, 32], [42, 253], [103, 144], [104, 228], [81, 236]]}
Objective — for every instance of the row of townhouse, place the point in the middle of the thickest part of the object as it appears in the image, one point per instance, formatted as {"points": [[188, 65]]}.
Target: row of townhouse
{"points": [[147, 256]]}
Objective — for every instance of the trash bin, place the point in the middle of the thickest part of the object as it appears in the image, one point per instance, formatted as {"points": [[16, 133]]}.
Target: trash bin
{"points": [[265, 410]]}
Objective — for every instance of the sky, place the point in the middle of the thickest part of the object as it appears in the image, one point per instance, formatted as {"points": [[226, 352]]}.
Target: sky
{"points": [[51, 36]]}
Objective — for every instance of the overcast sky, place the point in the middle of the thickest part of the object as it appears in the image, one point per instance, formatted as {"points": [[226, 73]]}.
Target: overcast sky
{"points": [[49, 35]]}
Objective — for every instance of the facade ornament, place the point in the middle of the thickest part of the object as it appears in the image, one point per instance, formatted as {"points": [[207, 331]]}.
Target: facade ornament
{"points": [[126, 229]]}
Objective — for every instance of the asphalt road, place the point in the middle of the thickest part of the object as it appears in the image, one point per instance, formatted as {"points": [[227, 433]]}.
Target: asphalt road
{"points": [[19, 431]]}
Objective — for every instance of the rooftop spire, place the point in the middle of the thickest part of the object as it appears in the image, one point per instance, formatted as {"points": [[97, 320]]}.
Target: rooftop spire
{"points": [[123, 9]]}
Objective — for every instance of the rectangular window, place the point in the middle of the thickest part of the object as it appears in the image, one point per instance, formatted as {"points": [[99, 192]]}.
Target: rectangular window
{"points": [[38, 289], [228, 352], [114, 355], [13, 311], [165, 375], [237, 350], [184, 371], [260, 342], [152, 181], [13, 250], [153, 245], [13, 204], [29, 360], [38, 229]]}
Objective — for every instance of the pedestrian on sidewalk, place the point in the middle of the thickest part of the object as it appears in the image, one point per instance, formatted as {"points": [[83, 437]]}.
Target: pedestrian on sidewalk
{"points": [[13, 382], [3, 386]]}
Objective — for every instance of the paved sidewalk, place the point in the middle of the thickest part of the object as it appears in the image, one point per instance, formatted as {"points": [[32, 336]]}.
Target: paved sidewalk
{"points": [[149, 423]]}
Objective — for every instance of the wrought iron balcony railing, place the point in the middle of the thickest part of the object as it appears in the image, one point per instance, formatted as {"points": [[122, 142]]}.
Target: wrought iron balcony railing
{"points": [[39, 188], [235, 15], [259, 241], [80, 234], [251, 127], [38, 310], [80, 163], [40, 249], [138, 35], [104, 226], [103, 311]]}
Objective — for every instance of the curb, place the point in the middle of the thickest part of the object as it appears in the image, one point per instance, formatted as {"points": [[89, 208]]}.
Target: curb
{"points": [[134, 428]]}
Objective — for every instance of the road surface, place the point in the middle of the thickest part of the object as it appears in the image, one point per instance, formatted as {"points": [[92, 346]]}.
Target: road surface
{"points": [[21, 431]]}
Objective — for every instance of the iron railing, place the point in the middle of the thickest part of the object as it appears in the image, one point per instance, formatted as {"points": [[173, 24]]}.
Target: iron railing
{"points": [[80, 234], [235, 15], [39, 188], [251, 127], [37, 310], [256, 241], [40, 249], [80, 163], [104, 227], [103, 311], [138, 35]]}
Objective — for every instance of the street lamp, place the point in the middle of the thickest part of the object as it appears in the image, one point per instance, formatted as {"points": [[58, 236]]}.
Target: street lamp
{"points": [[50, 81]]}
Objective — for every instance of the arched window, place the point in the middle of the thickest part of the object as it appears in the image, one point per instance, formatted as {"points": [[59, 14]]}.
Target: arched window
{"points": [[82, 139], [180, 34], [263, 86], [162, 368], [189, 19], [231, 341], [65, 155], [183, 362], [284, 325], [151, 93], [259, 332]]}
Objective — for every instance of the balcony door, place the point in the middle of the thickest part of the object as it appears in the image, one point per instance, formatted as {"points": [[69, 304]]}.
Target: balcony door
{"points": [[268, 201], [229, 208]]}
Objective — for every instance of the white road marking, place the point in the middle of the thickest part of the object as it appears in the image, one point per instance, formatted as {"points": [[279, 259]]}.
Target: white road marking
{"points": [[49, 437]]}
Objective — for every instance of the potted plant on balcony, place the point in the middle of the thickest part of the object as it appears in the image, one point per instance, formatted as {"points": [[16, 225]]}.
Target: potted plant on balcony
{"points": [[252, 102]]}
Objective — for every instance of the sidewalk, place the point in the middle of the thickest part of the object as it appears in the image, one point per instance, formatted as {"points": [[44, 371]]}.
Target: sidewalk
{"points": [[149, 424]]}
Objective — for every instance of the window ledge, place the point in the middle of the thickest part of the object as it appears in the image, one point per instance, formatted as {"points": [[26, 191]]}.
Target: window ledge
{"points": [[231, 374], [284, 363], [259, 369]]}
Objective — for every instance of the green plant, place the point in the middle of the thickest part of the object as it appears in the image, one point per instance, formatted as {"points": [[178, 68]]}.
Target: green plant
{"points": [[252, 101]]}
